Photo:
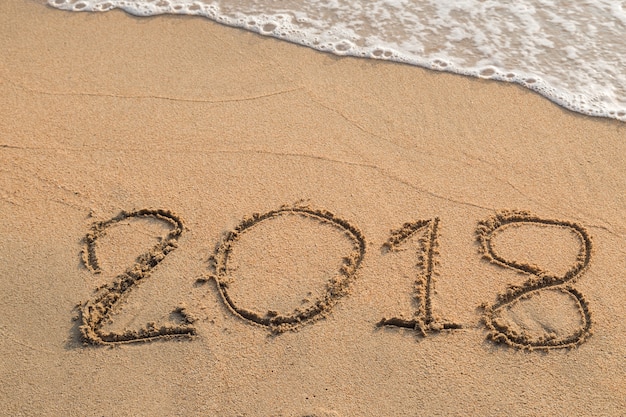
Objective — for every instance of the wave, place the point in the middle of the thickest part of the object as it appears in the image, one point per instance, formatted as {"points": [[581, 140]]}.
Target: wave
{"points": [[573, 53]]}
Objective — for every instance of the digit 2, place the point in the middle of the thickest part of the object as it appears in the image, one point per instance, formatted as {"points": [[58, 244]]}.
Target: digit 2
{"points": [[95, 312], [423, 321], [539, 281]]}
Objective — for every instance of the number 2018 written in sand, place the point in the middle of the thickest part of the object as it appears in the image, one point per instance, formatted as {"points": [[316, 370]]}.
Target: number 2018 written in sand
{"points": [[98, 310]]}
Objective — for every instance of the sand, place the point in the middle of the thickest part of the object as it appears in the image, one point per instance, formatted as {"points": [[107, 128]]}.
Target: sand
{"points": [[201, 221]]}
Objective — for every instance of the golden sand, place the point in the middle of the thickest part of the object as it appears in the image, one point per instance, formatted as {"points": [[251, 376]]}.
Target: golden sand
{"points": [[482, 223]]}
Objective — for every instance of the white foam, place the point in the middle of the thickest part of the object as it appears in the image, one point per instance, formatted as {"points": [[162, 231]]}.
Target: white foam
{"points": [[573, 53]]}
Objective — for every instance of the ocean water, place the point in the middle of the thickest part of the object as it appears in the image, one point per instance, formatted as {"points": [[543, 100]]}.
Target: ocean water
{"points": [[571, 52]]}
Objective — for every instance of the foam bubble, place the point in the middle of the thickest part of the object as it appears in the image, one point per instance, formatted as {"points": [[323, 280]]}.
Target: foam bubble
{"points": [[571, 52]]}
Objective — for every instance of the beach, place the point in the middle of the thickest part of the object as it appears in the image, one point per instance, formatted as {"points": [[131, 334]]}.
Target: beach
{"points": [[381, 191]]}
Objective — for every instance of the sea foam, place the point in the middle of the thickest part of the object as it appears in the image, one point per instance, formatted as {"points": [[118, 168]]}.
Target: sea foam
{"points": [[573, 53]]}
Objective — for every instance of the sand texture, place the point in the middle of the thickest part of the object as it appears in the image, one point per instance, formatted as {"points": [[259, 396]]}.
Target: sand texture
{"points": [[200, 221]]}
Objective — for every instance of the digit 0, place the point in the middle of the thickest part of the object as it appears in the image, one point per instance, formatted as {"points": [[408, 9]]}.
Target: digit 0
{"points": [[423, 321], [540, 280], [95, 312], [335, 289]]}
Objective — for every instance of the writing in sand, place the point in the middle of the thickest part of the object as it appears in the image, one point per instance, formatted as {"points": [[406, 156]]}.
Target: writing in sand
{"points": [[423, 234]]}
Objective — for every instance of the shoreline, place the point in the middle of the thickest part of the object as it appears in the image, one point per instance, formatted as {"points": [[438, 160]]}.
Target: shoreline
{"points": [[302, 26]]}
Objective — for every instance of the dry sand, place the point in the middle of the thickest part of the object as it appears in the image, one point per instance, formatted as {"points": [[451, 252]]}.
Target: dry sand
{"points": [[349, 162]]}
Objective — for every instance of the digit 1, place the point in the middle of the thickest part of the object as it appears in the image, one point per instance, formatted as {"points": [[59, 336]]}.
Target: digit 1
{"points": [[423, 321]]}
